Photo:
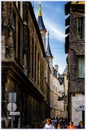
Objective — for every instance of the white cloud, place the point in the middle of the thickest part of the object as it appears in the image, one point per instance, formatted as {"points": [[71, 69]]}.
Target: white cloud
{"points": [[54, 22], [54, 30]]}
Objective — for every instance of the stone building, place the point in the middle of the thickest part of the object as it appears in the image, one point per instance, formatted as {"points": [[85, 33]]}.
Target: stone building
{"points": [[53, 82], [59, 93], [61, 110], [25, 80], [56, 106], [65, 76], [47, 71], [75, 48]]}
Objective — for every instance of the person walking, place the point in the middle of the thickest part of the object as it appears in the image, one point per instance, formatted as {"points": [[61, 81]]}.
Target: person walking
{"points": [[55, 122], [80, 126], [58, 126], [48, 124], [71, 126]]}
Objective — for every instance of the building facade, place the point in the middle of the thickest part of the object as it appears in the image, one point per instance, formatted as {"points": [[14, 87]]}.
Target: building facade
{"points": [[75, 48], [25, 80], [65, 76], [53, 95], [61, 94]]}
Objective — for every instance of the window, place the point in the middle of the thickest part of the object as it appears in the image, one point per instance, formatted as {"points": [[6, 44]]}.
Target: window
{"points": [[80, 28], [81, 67]]}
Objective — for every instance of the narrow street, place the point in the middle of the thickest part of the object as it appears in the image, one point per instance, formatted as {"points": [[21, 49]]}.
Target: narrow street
{"points": [[43, 64]]}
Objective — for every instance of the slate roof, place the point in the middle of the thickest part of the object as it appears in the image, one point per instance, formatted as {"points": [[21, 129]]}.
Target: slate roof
{"points": [[48, 53], [40, 19]]}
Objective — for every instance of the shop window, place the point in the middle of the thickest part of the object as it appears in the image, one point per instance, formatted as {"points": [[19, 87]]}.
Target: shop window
{"points": [[80, 28], [81, 67]]}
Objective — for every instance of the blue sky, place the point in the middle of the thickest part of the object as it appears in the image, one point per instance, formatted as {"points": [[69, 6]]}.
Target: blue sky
{"points": [[54, 19]]}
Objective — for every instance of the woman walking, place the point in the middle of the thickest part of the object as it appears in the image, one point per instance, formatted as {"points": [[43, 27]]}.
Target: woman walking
{"points": [[48, 124], [71, 126]]}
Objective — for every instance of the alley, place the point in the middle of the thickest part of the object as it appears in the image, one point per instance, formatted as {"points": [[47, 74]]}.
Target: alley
{"points": [[32, 88]]}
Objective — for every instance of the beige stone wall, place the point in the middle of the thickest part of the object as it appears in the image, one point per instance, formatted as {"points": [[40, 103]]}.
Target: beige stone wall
{"points": [[77, 101], [57, 107]]}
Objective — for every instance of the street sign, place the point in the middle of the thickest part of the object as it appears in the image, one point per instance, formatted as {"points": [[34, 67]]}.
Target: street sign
{"points": [[11, 106], [12, 97], [15, 113]]}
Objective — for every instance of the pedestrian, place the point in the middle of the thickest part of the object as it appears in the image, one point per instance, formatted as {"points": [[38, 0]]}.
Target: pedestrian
{"points": [[80, 126], [58, 126], [71, 126], [55, 122], [48, 124]]}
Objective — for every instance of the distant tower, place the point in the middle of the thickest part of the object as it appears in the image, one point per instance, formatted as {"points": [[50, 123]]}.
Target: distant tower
{"points": [[41, 25], [49, 54]]}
